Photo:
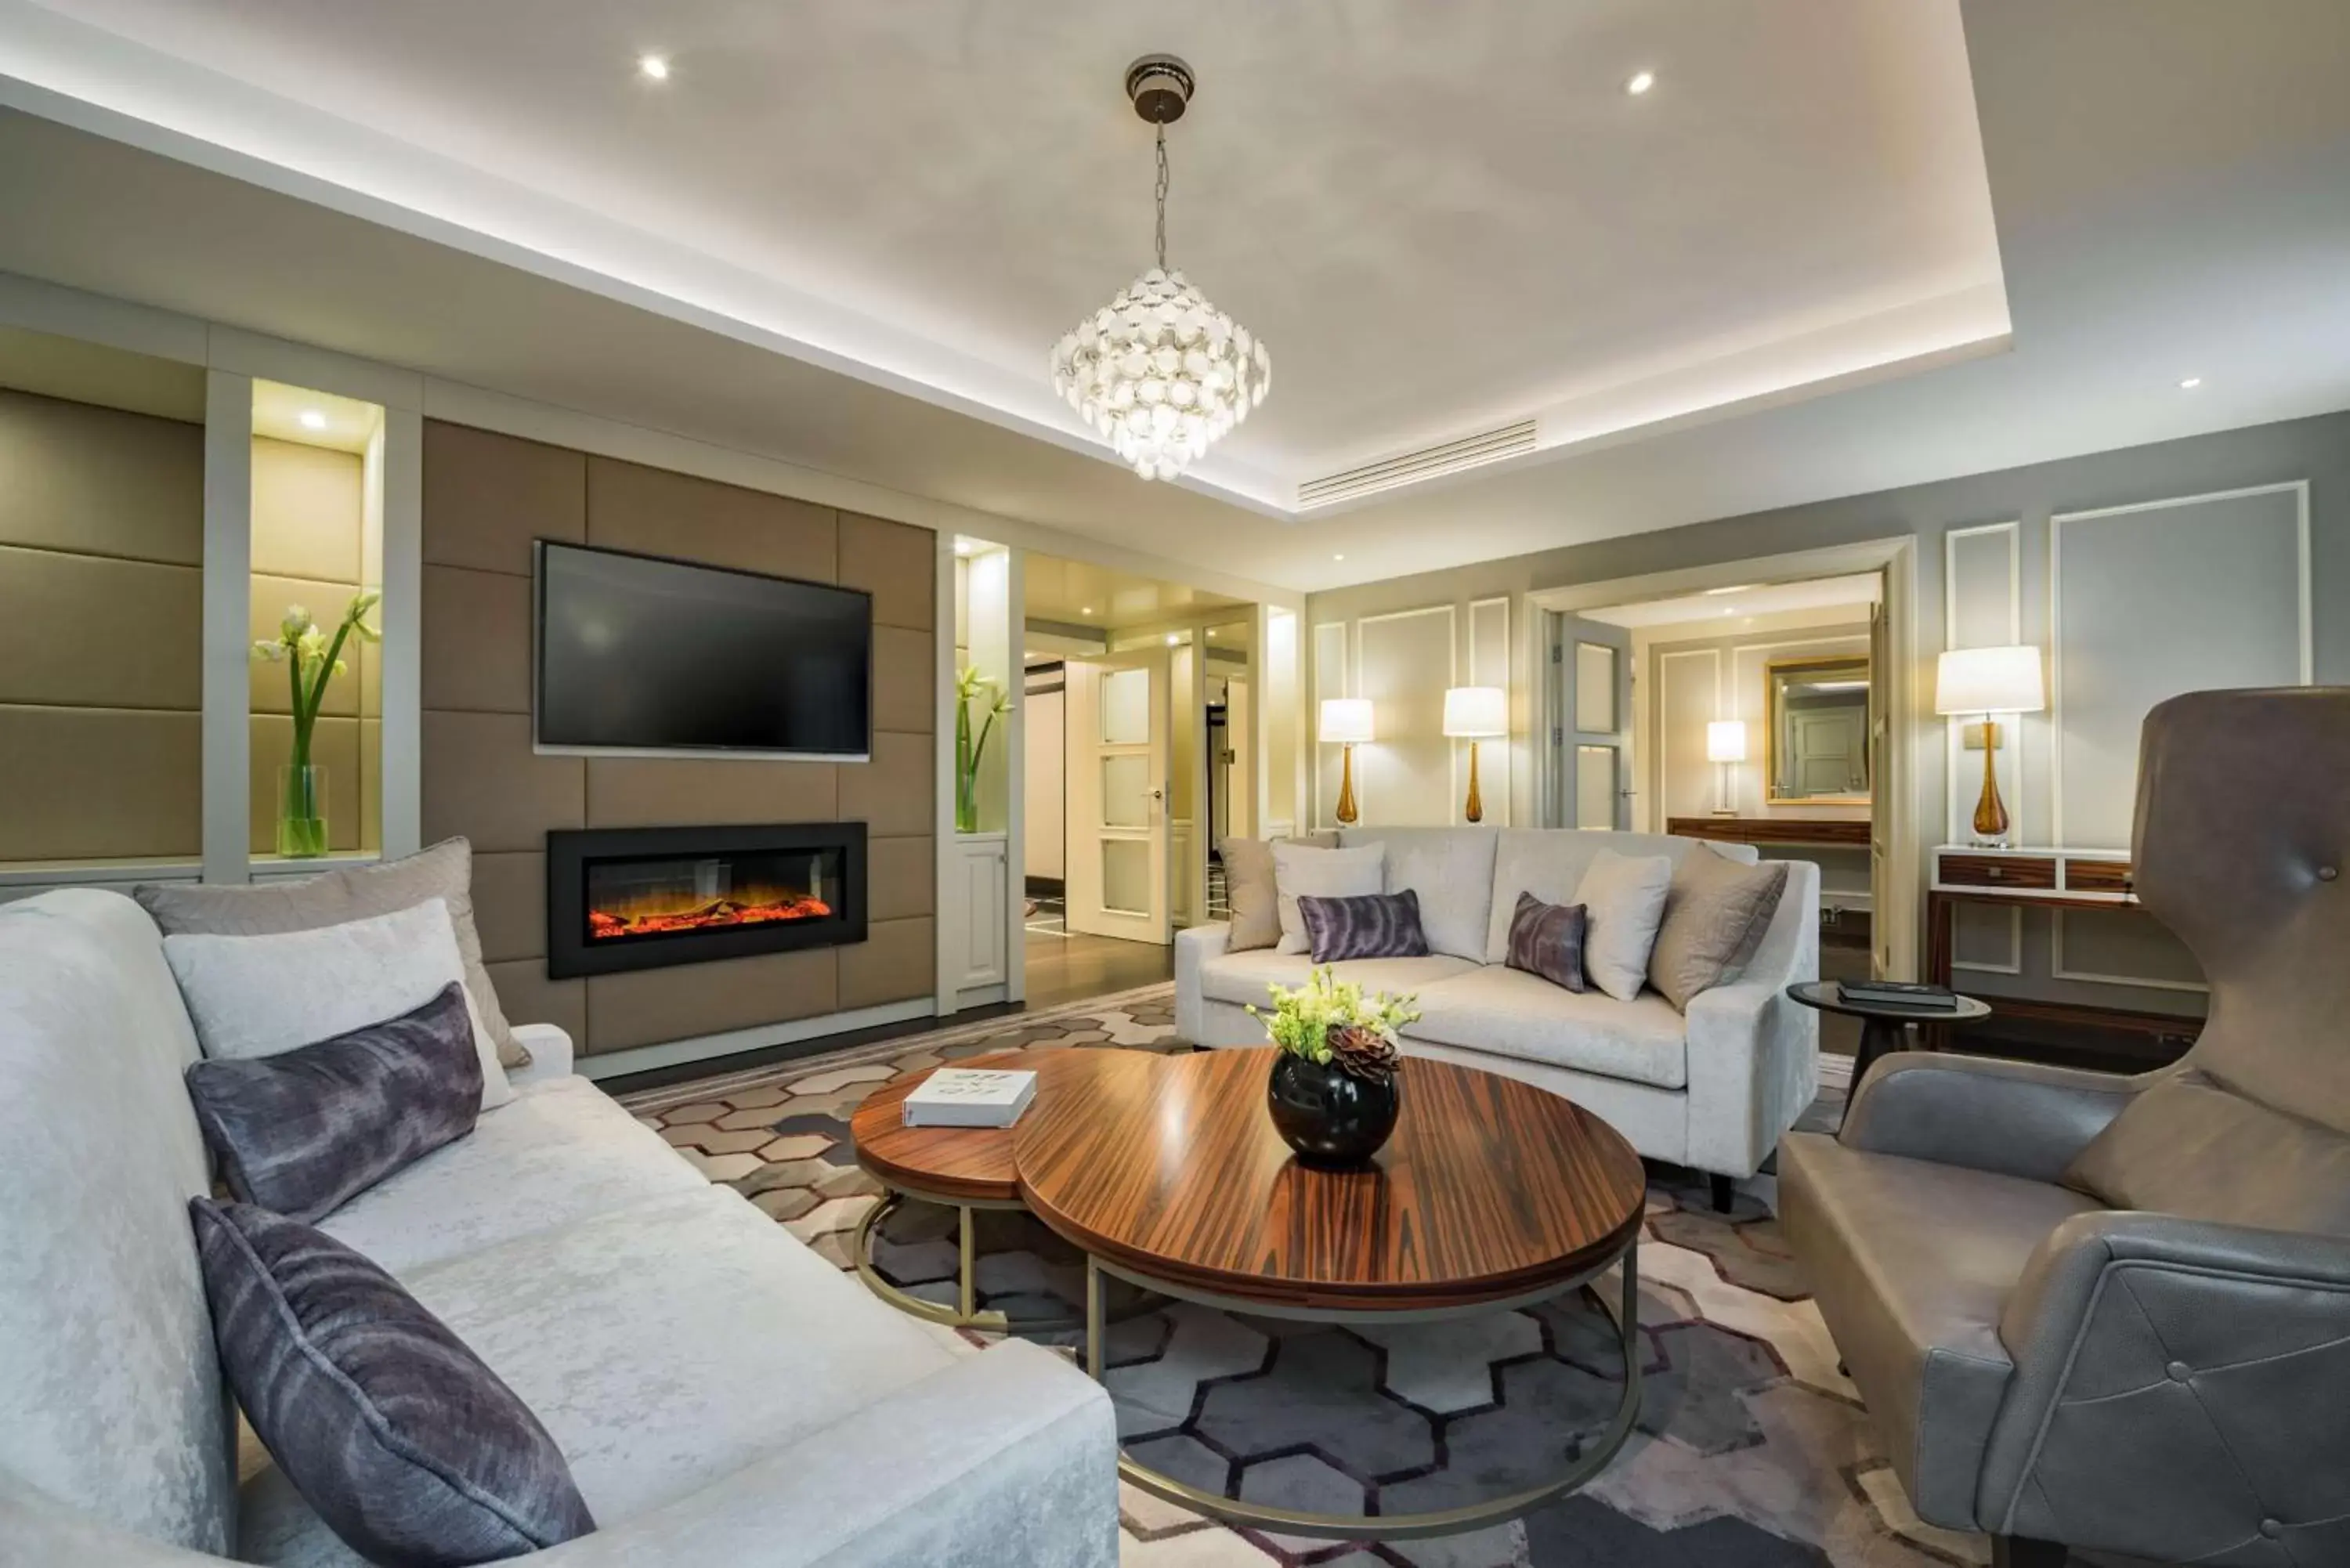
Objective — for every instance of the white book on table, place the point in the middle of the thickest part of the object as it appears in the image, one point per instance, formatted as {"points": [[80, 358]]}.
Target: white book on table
{"points": [[970, 1097]]}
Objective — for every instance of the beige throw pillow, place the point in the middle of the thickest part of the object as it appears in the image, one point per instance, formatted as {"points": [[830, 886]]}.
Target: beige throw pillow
{"points": [[1623, 899], [338, 897], [1354, 872], [1249, 887], [1716, 911]]}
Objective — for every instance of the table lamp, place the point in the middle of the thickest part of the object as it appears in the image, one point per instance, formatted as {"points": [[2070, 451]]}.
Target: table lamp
{"points": [[1725, 745], [1345, 721], [1472, 713], [1989, 680]]}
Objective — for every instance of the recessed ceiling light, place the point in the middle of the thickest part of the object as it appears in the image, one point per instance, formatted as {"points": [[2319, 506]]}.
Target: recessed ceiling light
{"points": [[653, 67], [1338, 558], [2190, 384], [1641, 82], [1735, 588], [1086, 609], [312, 419], [1173, 640], [1212, 631]]}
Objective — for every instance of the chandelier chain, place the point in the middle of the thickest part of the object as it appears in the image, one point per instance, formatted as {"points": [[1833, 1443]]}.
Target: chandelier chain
{"points": [[1159, 192]]}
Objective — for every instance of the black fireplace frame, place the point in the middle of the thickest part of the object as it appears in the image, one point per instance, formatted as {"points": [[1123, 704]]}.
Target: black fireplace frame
{"points": [[570, 953]]}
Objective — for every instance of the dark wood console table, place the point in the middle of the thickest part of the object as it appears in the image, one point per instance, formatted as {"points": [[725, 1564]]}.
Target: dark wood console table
{"points": [[1825, 833]]}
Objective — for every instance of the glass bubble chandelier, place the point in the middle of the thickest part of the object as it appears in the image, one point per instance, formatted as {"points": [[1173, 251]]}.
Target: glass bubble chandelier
{"points": [[1161, 373]]}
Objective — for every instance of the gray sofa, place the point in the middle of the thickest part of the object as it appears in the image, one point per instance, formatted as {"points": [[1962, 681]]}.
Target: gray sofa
{"points": [[1711, 1090], [724, 1395], [2166, 1377]]}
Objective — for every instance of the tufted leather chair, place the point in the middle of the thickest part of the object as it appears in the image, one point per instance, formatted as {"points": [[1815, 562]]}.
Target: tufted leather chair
{"points": [[2170, 1383]]}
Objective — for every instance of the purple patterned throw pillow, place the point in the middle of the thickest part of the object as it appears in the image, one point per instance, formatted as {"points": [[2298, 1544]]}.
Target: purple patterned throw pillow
{"points": [[1547, 939], [1375, 925]]}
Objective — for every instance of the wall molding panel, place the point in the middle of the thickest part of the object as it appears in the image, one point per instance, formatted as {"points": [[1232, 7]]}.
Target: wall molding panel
{"points": [[2164, 572], [1666, 805], [1398, 775], [1489, 665], [1332, 678], [1989, 616]]}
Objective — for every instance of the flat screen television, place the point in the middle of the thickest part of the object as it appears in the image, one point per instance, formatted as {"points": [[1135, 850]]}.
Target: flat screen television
{"points": [[639, 654]]}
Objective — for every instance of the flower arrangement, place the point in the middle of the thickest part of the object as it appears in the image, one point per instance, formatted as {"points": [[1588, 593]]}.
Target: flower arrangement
{"points": [[312, 658], [971, 686], [1333, 1022]]}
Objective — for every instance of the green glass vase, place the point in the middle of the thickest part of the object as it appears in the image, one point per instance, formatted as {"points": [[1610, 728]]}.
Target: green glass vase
{"points": [[301, 810]]}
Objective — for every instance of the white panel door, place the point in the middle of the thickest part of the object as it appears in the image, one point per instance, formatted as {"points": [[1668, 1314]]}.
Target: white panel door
{"points": [[1885, 763], [1118, 780], [1593, 738], [1238, 792]]}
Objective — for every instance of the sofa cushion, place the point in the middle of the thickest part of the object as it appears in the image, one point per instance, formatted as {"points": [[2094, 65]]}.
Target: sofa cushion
{"points": [[1347, 873], [562, 1152], [304, 1131], [1508, 1012], [1623, 900], [403, 1442], [110, 1394], [2191, 1147], [1241, 978], [257, 996], [1250, 889], [444, 871], [1549, 863], [1546, 940], [1451, 869], [663, 1347], [1911, 1261], [1716, 911], [1374, 926]]}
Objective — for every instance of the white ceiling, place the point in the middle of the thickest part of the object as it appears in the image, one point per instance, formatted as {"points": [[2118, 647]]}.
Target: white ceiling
{"points": [[1850, 596], [1440, 217], [2177, 207], [1078, 593]]}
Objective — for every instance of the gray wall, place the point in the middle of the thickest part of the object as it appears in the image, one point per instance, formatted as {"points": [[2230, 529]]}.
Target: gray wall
{"points": [[2125, 609]]}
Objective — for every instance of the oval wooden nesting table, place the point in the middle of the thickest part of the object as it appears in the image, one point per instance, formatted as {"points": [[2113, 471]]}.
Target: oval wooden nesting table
{"points": [[1492, 1194], [965, 1168]]}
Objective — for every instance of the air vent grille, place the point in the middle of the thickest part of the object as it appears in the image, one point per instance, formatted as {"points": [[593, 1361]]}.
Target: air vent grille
{"points": [[1411, 467]]}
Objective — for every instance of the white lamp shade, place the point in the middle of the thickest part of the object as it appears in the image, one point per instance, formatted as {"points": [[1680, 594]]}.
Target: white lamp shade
{"points": [[1725, 740], [1990, 681], [1346, 720], [1476, 713]]}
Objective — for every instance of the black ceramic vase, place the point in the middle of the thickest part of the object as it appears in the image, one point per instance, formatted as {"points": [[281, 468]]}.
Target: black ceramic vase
{"points": [[1331, 1117]]}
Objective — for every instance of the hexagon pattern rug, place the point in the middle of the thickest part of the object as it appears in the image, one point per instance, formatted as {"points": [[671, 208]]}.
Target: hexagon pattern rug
{"points": [[1751, 1451]]}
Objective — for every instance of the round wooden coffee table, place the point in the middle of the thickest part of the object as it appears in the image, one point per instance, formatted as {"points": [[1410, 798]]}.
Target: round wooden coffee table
{"points": [[965, 1168], [1492, 1194]]}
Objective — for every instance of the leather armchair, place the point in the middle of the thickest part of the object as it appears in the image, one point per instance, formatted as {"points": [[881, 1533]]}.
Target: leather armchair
{"points": [[2047, 1368]]}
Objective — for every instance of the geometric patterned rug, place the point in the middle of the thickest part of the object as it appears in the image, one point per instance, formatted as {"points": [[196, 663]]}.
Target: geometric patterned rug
{"points": [[1752, 1451]]}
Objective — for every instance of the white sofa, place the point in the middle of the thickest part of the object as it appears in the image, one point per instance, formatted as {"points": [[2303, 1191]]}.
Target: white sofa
{"points": [[1712, 1091], [724, 1395]]}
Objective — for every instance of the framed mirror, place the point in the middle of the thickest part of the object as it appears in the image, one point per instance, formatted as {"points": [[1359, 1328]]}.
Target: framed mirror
{"points": [[1816, 713]]}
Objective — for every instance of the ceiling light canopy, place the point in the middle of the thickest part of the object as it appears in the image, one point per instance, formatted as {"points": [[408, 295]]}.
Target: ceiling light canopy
{"points": [[1159, 371]]}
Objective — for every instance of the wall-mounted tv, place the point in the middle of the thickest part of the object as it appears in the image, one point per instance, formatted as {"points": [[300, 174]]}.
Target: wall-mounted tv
{"points": [[639, 654]]}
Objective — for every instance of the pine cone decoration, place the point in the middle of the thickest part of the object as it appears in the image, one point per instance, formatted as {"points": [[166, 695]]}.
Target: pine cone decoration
{"points": [[1362, 1052]]}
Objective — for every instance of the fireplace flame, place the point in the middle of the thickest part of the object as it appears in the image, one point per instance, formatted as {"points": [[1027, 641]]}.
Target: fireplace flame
{"points": [[754, 908]]}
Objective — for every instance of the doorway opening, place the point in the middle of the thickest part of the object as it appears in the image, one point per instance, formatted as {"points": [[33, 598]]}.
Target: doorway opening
{"points": [[1139, 695], [1745, 711]]}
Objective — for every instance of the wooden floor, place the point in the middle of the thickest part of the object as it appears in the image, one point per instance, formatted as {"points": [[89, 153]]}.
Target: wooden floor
{"points": [[1066, 968]]}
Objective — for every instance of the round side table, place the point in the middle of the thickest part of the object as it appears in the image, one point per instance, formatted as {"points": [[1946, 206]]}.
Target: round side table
{"points": [[1881, 1028]]}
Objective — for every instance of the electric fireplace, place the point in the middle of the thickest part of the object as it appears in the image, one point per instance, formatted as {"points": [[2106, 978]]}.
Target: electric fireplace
{"points": [[630, 898]]}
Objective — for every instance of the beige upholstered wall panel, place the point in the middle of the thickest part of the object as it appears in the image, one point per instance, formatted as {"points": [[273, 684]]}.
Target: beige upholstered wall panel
{"points": [[894, 562], [95, 784], [306, 508], [631, 792], [99, 481], [486, 497], [476, 641], [101, 632], [901, 877], [651, 1005], [93, 631], [632, 507], [892, 964]]}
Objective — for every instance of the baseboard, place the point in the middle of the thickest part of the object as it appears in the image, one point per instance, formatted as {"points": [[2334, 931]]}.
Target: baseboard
{"points": [[762, 1037]]}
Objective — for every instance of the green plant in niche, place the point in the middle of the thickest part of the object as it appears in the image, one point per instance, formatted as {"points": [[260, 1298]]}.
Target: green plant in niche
{"points": [[312, 658], [970, 687]]}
